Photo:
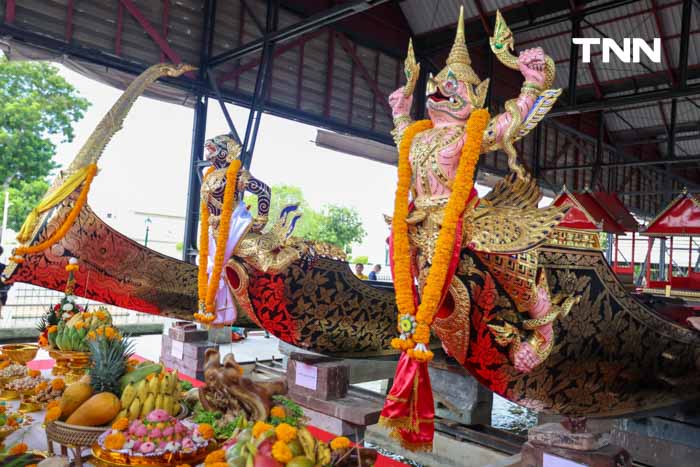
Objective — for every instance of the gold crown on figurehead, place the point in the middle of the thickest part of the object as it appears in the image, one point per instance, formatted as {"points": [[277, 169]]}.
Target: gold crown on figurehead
{"points": [[459, 64]]}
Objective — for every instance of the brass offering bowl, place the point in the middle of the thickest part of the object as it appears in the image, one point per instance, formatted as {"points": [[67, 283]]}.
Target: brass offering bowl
{"points": [[9, 395], [70, 365], [28, 406], [20, 353]]}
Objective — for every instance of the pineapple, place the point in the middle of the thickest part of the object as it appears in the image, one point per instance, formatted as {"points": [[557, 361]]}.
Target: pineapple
{"points": [[108, 358]]}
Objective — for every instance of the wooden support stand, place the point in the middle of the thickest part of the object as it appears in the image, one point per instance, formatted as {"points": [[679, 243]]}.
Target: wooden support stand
{"points": [[552, 445], [321, 386]]}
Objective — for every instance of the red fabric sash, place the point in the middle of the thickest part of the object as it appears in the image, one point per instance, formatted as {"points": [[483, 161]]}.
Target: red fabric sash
{"points": [[409, 410]]}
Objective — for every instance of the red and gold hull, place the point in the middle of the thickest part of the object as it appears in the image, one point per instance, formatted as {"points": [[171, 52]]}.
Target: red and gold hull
{"points": [[612, 355]]}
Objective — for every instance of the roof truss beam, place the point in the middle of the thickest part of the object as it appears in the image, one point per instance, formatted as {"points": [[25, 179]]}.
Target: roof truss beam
{"points": [[312, 23]]}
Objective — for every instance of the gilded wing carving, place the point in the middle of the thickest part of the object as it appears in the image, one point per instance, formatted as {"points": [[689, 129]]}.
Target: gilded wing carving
{"points": [[507, 230], [513, 192]]}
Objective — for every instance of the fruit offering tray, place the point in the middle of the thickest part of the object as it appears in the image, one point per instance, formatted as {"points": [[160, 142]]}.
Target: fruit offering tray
{"points": [[160, 441]]}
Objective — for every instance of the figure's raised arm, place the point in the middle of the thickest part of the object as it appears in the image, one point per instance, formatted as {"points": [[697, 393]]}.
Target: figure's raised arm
{"points": [[531, 63]]}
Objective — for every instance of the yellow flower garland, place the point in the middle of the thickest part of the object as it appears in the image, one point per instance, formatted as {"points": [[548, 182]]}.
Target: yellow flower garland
{"points": [[67, 224], [207, 288], [403, 279]]}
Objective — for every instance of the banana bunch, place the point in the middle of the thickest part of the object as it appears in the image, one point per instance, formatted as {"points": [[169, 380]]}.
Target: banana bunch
{"points": [[319, 453], [149, 387]]}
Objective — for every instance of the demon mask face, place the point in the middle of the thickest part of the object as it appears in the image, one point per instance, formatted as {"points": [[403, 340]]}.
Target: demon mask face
{"points": [[221, 150], [456, 90]]}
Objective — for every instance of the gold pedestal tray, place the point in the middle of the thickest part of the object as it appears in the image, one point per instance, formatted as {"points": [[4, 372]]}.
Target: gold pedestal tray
{"points": [[70, 365], [20, 353], [104, 458]]}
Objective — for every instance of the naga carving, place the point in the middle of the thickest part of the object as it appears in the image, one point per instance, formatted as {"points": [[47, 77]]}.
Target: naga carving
{"points": [[230, 392]]}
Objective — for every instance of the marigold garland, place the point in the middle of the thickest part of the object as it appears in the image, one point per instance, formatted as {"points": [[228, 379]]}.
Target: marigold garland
{"points": [[18, 449], [285, 432], [54, 413], [115, 441], [67, 224], [403, 279], [341, 442], [260, 428], [281, 452], [278, 412], [207, 286]]}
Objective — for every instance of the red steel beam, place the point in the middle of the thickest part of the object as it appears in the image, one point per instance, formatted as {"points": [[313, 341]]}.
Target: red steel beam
{"points": [[10, 11], [151, 31], [69, 21], [279, 50], [165, 25], [120, 28], [347, 46]]}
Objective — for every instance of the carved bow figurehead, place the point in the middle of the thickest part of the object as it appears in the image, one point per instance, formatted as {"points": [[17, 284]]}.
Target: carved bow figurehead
{"points": [[177, 70], [456, 90]]}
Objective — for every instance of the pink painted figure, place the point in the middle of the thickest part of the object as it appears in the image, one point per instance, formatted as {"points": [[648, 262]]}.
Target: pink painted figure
{"points": [[452, 96]]}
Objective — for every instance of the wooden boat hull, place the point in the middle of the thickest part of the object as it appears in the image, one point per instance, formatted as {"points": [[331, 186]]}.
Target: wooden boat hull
{"points": [[114, 269], [612, 356]]}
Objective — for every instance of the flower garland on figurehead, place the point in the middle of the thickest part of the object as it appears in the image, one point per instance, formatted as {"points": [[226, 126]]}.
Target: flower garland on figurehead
{"points": [[89, 175], [408, 411], [207, 286], [414, 325]]}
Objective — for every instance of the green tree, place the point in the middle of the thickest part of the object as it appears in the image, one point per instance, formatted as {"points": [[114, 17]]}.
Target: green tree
{"points": [[23, 198], [338, 225], [36, 106]]}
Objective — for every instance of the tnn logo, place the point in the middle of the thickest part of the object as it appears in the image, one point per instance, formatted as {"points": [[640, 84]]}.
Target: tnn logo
{"points": [[630, 52]]}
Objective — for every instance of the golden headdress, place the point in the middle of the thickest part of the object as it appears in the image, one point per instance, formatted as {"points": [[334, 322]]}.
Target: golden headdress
{"points": [[459, 64]]}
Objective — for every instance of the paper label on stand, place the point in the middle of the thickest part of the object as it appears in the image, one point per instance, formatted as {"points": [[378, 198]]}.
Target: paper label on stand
{"points": [[306, 376], [178, 349], [548, 460]]}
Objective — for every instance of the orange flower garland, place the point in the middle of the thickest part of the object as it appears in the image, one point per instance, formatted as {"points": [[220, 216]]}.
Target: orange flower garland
{"points": [[207, 288], [67, 224], [403, 279], [18, 449]]}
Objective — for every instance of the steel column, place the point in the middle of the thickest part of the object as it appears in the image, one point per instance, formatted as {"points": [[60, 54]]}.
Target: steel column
{"points": [[190, 247], [264, 71]]}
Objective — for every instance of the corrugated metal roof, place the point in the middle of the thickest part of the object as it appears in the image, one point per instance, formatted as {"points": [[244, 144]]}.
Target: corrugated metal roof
{"points": [[428, 15]]}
